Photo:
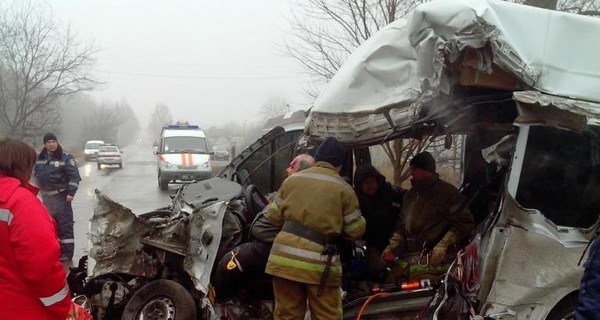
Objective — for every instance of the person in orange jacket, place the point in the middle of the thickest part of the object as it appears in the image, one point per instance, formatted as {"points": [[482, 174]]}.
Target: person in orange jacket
{"points": [[32, 280]]}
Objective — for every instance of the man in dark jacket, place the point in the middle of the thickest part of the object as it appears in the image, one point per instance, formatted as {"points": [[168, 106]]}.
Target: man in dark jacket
{"points": [[57, 176], [589, 291], [380, 204], [433, 218]]}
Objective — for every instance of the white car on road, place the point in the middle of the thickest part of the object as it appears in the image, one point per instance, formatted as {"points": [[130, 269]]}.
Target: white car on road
{"points": [[109, 155], [91, 149]]}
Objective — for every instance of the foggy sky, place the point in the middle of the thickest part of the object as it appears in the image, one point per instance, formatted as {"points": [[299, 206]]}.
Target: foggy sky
{"points": [[209, 61]]}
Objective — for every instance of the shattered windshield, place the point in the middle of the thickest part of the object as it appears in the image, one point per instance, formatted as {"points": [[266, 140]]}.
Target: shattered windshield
{"points": [[184, 144], [561, 175]]}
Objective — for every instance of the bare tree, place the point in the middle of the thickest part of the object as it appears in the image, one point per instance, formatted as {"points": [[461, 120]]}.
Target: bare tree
{"points": [[161, 116], [130, 126], [273, 107], [103, 123], [399, 152], [583, 7], [39, 63], [325, 32]]}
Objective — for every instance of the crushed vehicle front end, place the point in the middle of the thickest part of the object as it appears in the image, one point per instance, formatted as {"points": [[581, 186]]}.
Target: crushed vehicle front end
{"points": [[159, 262]]}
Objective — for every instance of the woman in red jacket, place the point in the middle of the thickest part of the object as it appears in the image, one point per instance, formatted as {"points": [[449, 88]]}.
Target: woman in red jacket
{"points": [[32, 280]]}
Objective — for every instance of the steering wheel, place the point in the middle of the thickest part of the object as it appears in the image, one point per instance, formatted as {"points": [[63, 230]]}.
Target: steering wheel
{"points": [[255, 201]]}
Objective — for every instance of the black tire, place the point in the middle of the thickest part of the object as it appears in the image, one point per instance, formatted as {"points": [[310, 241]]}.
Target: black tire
{"points": [[98, 166], [565, 309], [120, 166], [163, 184], [161, 299]]}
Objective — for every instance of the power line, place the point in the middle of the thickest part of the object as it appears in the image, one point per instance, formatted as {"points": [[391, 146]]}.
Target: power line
{"points": [[151, 75], [194, 65]]}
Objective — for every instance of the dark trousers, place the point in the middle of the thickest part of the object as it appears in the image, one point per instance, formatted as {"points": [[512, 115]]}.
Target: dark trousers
{"points": [[375, 266], [589, 292], [62, 213], [245, 271]]}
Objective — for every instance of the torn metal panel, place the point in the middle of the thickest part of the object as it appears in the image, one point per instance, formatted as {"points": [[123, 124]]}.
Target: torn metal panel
{"points": [[516, 290], [586, 110], [115, 237], [408, 70], [191, 228], [205, 236], [536, 115], [500, 152]]}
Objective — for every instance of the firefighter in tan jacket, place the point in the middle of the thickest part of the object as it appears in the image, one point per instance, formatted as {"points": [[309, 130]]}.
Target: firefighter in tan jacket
{"points": [[313, 207]]}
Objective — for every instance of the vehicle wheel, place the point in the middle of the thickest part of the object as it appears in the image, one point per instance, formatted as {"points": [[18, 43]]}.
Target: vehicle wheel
{"points": [[565, 309], [98, 166], [161, 300], [120, 166], [163, 184]]}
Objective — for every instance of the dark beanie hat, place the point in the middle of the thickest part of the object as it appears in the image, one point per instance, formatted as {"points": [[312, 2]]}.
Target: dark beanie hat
{"points": [[331, 151], [423, 160], [49, 136]]}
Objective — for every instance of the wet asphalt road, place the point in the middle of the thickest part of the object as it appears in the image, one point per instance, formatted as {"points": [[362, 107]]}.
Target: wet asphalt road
{"points": [[134, 186]]}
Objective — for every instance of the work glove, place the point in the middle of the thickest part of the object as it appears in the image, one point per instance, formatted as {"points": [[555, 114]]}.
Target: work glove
{"points": [[437, 255], [388, 255]]}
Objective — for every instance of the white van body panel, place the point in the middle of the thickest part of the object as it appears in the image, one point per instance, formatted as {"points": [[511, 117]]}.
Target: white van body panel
{"points": [[384, 84]]}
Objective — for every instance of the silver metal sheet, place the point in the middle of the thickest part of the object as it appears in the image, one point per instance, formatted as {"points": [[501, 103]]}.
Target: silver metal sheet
{"points": [[402, 68]]}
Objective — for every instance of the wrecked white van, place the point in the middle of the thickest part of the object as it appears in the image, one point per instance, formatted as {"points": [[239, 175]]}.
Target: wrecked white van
{"points": [[514, 81], [521, 85]]}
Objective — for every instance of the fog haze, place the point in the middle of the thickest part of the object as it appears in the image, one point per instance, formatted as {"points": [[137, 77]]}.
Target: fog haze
{"points": [[210, 62]]}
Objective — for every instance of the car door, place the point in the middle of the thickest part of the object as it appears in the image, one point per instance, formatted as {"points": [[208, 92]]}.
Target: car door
{"points": [[263, 163]]}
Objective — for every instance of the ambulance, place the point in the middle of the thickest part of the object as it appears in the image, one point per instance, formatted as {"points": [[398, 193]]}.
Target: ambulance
{"points": [[182, 155]]}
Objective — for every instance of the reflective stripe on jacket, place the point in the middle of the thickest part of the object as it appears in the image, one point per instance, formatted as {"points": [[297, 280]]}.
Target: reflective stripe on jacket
{"points": [[58, 172], [321, 200], [33, 282]]}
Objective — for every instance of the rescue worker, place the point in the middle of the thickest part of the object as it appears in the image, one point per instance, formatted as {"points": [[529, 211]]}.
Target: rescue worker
{"points": [[380, 204], [313, 207], [589, 291], [32, 280], [434, 218], [57, 176], [247, 261]]}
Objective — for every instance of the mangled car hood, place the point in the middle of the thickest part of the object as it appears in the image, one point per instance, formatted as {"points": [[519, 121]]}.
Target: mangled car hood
{"points": [[400, 75], [191, 228]]}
